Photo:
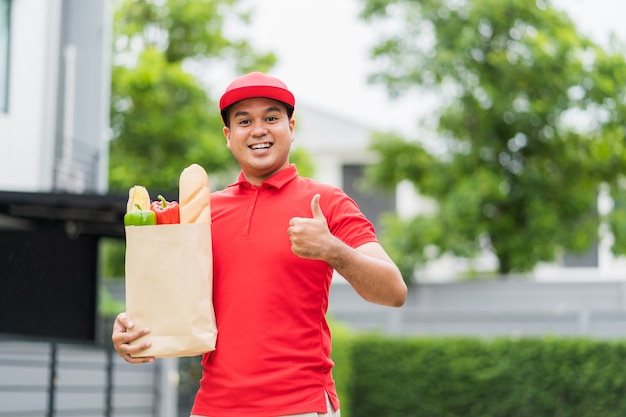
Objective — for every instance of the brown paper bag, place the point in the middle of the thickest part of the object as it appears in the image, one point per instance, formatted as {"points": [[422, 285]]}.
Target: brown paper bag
{"points": [[169, 288]]}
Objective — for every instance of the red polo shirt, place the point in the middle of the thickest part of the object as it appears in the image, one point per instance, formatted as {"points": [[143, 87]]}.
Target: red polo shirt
{"points": [[272, 355]]}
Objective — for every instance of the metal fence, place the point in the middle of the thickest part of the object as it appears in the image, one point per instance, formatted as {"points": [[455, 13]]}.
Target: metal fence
{"points": [[49, 379]]}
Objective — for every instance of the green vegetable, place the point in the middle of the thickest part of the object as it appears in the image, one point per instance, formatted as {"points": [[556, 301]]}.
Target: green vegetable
{"points": [[140, 217]]}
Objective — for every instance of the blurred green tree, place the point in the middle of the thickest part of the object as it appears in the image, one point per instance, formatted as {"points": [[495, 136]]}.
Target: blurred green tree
{"points": [[531, 126], [162, 115]]}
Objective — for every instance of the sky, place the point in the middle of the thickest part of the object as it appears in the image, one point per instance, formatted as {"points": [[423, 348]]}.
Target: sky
{"points": [[322, 49]]}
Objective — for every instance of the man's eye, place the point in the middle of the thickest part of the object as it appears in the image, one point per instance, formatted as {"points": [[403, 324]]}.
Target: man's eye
{"points": [[271, 118], [243, 122]]}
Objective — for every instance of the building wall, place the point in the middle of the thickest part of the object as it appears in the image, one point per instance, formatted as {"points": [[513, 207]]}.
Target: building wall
{"points": [[43, 107], [26, 131]]}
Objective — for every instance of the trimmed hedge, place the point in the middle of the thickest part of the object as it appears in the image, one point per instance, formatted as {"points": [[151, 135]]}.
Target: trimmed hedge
{"points": [[467, 377]]}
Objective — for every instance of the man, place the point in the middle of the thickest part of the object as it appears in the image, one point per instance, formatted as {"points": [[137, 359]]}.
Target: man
{"points": [[277, 237]]}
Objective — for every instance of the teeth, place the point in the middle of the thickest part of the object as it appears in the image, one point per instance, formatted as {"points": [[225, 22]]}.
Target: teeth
{"points": [[260, 146]]}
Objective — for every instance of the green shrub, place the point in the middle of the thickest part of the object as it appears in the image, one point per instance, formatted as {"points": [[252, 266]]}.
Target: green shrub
{"points": [[454, 377]]}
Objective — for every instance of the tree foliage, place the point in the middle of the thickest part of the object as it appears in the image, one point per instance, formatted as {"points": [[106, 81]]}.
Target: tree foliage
{"points": [[162, 116], [532, 120]]}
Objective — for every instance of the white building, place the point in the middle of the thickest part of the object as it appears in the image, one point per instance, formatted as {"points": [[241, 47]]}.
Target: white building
{"points": [[54, 92]]}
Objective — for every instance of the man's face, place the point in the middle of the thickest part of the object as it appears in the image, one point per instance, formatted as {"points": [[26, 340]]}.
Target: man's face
{"points": [[260, 137]]}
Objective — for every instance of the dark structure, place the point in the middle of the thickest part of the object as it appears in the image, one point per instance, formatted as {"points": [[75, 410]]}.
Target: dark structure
{"points": [[49, 261]]}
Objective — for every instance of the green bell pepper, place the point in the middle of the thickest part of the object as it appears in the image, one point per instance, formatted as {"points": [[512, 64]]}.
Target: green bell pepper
{"points": [[140, 217]]}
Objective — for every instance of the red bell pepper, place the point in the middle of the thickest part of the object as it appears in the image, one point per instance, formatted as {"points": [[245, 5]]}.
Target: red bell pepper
{"points": [[166, 212]]}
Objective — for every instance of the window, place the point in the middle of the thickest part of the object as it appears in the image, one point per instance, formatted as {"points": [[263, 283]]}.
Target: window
{"points": [[5, 14]]}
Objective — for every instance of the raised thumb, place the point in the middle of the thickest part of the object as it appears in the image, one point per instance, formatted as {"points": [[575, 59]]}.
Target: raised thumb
{"points": [[316, 210]]}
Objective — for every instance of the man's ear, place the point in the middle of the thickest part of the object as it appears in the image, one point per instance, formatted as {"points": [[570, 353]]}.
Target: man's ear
{"points": [[292, 128], [226, 131]]}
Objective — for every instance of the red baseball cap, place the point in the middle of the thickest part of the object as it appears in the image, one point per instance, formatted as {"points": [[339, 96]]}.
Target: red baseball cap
{"points": [[256, 84]]}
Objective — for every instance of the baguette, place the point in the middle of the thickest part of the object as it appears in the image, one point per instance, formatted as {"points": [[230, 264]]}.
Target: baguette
{"points": [[194, 195]]}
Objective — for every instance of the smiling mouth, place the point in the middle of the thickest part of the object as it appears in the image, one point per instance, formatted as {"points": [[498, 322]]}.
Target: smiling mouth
{"points": [[256, 146]]}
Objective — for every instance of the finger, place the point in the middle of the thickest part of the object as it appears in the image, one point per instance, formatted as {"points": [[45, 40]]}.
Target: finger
{"points": [[132, 352], [126, 346], [122, 340], [122, 323], [128, 356], [316, 210], [123, 333], [141, 359], [127, 337]]}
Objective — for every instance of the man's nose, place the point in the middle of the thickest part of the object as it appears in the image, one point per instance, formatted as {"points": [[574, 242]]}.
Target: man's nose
{"points": [[260, 129]]}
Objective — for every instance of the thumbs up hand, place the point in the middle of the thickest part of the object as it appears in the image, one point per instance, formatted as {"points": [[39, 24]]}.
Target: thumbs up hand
{"points": [[310, 236]]}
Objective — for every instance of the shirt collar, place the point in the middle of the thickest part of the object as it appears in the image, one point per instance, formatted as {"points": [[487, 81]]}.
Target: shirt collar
{"points": [[277, 180]]}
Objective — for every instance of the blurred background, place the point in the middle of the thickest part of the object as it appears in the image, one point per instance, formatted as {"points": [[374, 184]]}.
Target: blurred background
{"points": [[485, 140]]}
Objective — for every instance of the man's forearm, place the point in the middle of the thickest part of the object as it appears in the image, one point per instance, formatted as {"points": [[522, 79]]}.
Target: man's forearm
{"points": [[370, 271]]}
